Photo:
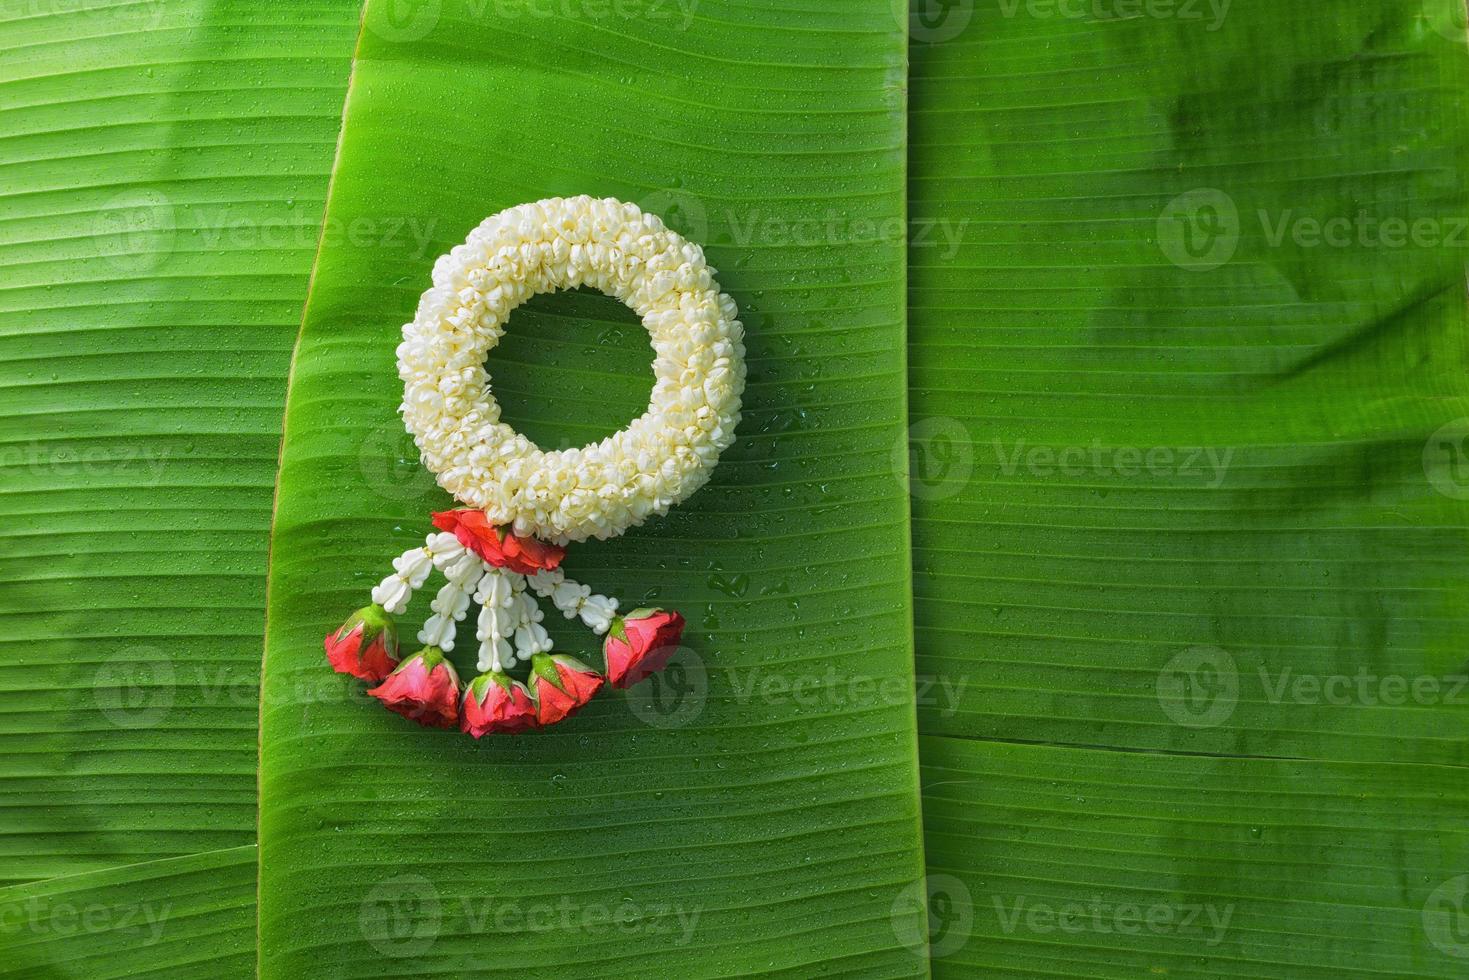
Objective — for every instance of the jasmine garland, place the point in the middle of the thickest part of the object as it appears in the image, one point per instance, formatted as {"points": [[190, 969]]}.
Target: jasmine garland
{"points": [[525, 504]]}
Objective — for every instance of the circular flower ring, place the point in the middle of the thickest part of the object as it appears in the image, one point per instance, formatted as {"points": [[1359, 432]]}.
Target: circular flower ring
{"points": [[606, 487]]}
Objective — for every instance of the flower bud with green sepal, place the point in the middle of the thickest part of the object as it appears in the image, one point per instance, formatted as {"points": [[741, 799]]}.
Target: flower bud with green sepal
{"points": [[640, 644], [366, 645], [424, 688], [561, 686], [496, 704]]}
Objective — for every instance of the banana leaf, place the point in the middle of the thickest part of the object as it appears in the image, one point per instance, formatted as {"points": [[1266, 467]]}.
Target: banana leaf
{"points": [[1186, 402], [164, 169], [1168, 395], [189, 916], [762, 814]]}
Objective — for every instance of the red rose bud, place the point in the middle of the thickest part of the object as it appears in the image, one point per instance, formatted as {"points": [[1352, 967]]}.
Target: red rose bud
{"points": [[366, 646], [497, 545], [424, 689], [496, 705], [640, 644], [561, 685]]}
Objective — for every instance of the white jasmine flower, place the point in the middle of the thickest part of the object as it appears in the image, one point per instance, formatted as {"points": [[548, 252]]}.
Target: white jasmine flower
{"points": [[438, 631], [411, 569], [392, 594], [597, 612], [413, 566]]}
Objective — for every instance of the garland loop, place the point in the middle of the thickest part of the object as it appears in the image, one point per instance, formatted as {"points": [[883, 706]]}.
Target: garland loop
{"points": [[606, 487]]}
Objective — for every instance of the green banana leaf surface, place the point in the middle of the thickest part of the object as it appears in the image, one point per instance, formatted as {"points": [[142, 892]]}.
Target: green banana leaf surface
{"points": [[165, 168]]}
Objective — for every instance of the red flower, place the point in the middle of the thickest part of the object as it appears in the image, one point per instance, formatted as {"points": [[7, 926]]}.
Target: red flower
{"points": [[366, 646], [497, 545], [496, 705], [424, 689], [561, 686], [640, 644]]}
